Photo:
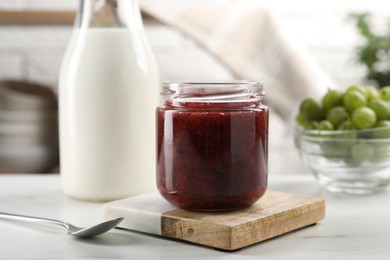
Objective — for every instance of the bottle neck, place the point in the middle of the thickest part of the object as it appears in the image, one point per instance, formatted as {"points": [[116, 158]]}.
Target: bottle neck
{"points": [[109, 14]]}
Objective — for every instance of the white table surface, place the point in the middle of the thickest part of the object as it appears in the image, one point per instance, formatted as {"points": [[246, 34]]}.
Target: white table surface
{"points": [[355, 227]]}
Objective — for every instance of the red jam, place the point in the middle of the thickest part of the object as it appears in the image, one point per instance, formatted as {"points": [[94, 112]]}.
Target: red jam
{"points": [[212, 156]]}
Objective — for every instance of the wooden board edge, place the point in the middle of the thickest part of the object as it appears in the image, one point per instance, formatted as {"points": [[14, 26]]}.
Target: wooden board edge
{"points": [[276, 225], [233, 238], [195, 231]]}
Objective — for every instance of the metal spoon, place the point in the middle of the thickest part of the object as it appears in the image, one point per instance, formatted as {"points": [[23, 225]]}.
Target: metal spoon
{"points": [[72, 230]]}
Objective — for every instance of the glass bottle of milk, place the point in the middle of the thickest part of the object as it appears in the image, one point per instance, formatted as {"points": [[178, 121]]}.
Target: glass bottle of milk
{"points": [[108, 92]]}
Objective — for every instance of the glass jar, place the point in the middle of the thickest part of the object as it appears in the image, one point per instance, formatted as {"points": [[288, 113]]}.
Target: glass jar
{"points": [[212, 144]]}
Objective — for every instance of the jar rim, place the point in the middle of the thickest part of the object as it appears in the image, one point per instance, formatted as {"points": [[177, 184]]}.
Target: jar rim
{"points": [[213, 91]]}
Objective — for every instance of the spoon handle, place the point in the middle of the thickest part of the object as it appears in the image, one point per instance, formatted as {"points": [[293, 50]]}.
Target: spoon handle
{"points": [[25, 218]]}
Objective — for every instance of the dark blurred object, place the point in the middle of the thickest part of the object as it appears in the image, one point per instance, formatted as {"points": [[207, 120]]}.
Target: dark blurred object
{"points": [[374, 53], [28, 128]]}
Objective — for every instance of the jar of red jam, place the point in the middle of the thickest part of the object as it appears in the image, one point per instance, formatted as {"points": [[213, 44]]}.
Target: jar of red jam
{"points": [[212, 144]]}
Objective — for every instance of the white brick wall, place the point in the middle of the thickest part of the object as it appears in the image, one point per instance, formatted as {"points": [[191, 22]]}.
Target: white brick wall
{"points": [[32, 53]]}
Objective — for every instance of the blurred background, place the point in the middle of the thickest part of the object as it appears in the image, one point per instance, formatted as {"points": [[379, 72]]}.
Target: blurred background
{"points": [[34, 51], [35, 33]]}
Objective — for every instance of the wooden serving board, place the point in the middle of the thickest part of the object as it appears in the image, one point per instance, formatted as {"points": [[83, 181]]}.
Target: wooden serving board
{"points": [[276, 213]]}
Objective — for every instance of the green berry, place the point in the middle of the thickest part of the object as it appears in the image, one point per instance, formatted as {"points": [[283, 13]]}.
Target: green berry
{"points": [[385, 132], [346, 125], [360, 89], [363, 118], [303, 123], [361, 152], [381, 109], [311, 110], [353, 100], [372, 93], [337, 115], [333, 151], [383, 123], [331, 99], [325, 125], [384, 93]]}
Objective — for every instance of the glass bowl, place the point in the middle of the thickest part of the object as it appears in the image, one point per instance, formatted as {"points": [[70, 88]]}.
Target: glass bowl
{"points": [[350, 161]]}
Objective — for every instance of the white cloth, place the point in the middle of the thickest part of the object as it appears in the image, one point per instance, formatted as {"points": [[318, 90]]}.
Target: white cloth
{"points": [[246, 36]]}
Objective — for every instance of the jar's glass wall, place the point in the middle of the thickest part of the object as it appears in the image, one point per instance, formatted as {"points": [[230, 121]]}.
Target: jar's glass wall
{"points": [[212, 156]]}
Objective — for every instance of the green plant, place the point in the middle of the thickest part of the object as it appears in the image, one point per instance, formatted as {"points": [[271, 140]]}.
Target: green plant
{"points": [[374, 53]]}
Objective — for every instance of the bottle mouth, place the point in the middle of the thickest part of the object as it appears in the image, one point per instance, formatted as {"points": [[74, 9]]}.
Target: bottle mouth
{"points": [[212, 91]]}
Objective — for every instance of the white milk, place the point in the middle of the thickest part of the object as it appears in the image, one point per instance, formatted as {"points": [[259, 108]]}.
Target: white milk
{"points": [[109, 89]]}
